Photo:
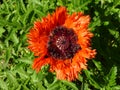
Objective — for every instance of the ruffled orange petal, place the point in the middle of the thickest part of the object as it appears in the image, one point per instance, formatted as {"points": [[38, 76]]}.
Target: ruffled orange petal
{"points": [[37, 42], [39, 62], [39, 35], [60, 16]]}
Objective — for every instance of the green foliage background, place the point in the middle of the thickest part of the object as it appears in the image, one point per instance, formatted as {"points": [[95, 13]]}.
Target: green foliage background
{"points": [[18, 16]]}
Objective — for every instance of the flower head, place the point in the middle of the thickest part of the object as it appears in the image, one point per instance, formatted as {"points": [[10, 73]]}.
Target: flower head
{"points": [[62, 41]]}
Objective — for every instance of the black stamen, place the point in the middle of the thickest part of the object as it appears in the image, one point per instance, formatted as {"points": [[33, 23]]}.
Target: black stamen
{"points": [[62, 43]]}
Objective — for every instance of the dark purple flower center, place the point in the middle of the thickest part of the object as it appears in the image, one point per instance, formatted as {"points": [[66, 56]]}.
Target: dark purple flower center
{"points": [[62, 43]]}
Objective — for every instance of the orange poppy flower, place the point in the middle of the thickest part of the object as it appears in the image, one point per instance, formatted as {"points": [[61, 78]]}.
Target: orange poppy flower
{"points": [[62, 41]]}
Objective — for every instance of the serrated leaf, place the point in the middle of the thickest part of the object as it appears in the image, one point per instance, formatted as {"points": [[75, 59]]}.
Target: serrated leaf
{"points": [[112, 76], [28, 15], [34, 77], [19, 87], [25, 60], [1, 31], [76, 2], [70, 84], [45, 68], [40, 86], [85, 86], [54, 85], [115, 33], [80, 77], [11, 78], [15, 38], [22, 5], [117, 87], [3, 85], [7, 56], [91, 80], [22, 73], [98, 64], [25, 87]]}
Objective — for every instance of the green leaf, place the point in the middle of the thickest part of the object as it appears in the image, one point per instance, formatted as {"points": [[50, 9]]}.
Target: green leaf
{"points": [[23, 74], [15, 38], [19, 87], [76, 2], [85, 86], [45, 68], [115, 33], [25, 60], [2, 30], [8, 55], [91, 80], [22, 5], [3, 85], [34, 77], [117, 87], [98, 64], [25, 87], [80, 77], [111, 77], [54, 85], [12, 78], [28, 15], [70, 84], [40, 86]]}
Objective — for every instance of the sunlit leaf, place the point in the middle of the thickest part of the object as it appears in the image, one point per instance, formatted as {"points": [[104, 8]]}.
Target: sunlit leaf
{"points": [[91, 80], [70, 84], [3, 85], [112, 76], [25, 60], [1, 31], [98, 64]]}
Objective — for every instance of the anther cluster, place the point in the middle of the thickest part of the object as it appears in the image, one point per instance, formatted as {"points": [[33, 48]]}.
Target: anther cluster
{"points": [[62, 43]]}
